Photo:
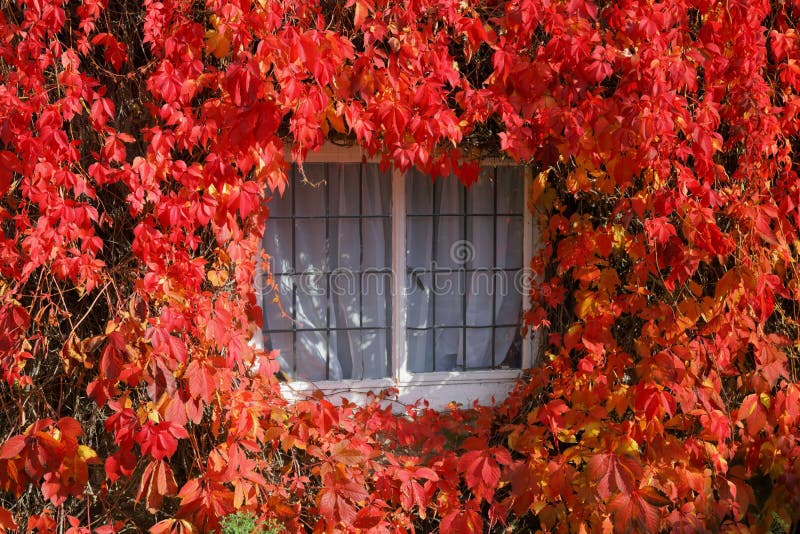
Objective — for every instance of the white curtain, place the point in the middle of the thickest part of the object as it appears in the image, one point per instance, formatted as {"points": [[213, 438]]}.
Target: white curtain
{"points": [[329, 242], [463, 252]]}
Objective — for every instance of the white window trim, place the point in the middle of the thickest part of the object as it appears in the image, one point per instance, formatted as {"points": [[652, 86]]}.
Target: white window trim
{"points": [[439, 389]]}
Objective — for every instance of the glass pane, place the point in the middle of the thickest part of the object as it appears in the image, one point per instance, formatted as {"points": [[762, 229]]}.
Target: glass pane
{"points": [[377, 245], [419, 193], [278, 244], [449, 349], [480, 297], [479, 348], [376, 289], [480, 243], [420, 350], [346, 349], [310, 245], [311, 301], [480, 195], [284, 343], [372, 362], [311, 357], [418, 242], [509, 242], [310, 196], [510, 190], [376, 191], [449, 196], [343, 184], [452, 250], [508, 307], [344, 344], [278, 315], [345, 292], [345, 244], [281, 206], [419, 299], [504, 285], [448, 289], [508, 347]]}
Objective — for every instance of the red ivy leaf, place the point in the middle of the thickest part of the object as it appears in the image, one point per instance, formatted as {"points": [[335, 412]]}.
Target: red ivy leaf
{"points": [[6, 521], [639, 511], [160, 440], [12, 447], [614, 473]]}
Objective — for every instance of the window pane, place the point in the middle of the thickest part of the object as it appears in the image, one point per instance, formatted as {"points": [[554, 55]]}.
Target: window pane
{"points": [[345, 244], [376, 289], [374, 349], [284, 342], [419, 242], [419, 299], [510, 190], [508, 347], [377, 247], [278, 316], [475, 240], [327, 240], [376, 197], [480, 243], [448, 350], [345, 291], [448, 300], [311, 301], [450, 245], [448, 196], [281, 206], [278, 242], [343, 182], [311, 359], [508, 299], [419, 193], [419, 344], [509, 242], [480, 298], [480, 195], [310, 195], [310, 245], [479, 348]]}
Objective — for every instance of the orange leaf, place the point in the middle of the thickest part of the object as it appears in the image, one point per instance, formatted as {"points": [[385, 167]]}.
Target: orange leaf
{"points": [[157, 482], [6, 521]]}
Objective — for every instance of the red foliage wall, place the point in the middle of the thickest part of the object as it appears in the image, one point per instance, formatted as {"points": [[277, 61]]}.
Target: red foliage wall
{"points": [[136, 146]]}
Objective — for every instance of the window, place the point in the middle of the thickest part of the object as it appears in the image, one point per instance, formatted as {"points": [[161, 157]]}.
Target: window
{"points": [[389, 279]]}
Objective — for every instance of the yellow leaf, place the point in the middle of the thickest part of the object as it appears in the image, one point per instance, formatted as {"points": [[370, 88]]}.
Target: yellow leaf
{"points": [[88, 455], [217, 278], [336, 120], [539, 184], [629, 446], [585, 303], [217, 43]]}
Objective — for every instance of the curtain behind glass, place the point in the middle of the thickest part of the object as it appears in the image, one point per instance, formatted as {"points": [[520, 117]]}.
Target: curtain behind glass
{"points": [[463, 251], [329, 243]]}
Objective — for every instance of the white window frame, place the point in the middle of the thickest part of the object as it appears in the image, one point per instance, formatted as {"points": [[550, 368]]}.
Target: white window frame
{"points": [[438, 388]]}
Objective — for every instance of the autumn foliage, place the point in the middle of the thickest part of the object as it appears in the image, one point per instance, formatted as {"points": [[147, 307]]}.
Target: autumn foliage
{"points": [[139, 147]]}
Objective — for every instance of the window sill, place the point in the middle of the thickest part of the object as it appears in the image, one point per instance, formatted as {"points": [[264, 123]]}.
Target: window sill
{"points": [[439, 389]]}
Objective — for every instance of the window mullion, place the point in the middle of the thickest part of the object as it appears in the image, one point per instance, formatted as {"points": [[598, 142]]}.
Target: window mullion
{"points": [[399, 361]]}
